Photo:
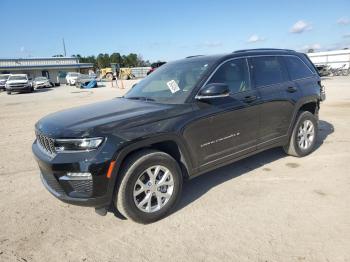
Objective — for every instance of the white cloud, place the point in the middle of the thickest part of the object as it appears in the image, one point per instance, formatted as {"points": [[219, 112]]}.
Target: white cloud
{"points": [[300, 27], [343, 21], [255, 38], [312, 46]]}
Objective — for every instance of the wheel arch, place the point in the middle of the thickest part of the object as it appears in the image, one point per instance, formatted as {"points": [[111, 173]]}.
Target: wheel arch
{"points": [[170, 144], [310, 104]]}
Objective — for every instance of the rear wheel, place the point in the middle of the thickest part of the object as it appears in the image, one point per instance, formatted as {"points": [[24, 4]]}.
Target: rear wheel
{"points": [[109, 76], [303, 138], [150, 187]]}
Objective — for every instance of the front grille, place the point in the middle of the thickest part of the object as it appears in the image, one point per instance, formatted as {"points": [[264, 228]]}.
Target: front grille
{"points": [[17, 85], [46, 143]]}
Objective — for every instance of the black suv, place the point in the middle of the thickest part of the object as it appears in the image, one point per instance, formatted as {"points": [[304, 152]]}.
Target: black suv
{"points": [[130, 155]]}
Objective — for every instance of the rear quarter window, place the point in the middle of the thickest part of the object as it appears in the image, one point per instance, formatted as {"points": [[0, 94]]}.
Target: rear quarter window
{"points": [[297, 69]]}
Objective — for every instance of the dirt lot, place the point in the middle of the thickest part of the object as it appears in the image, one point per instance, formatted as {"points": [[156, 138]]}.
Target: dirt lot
{"points": [[269, 207]]}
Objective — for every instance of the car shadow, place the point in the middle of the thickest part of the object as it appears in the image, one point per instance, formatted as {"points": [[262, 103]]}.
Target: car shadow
{"points": [[324, 130], [197, 187], [42, 90]]}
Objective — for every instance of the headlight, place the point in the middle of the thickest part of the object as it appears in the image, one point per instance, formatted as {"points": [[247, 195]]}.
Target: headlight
{"points": [[79, 144]]}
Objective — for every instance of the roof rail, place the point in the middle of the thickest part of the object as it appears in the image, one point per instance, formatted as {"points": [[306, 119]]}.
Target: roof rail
{"points": [[263, 49], [193, 56]]}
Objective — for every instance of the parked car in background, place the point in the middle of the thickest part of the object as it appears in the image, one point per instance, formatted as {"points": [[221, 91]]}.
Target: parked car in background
{"points": [[18, 83], [40, 82], [3, 80], [84, 79], [72, 77], [131, 154], [323, 70], [155, 66]]}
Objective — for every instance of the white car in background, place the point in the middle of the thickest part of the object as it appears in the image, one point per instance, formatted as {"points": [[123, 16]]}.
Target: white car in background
{"points": [[72, 77], [41, 81], [3, 80], [18, 83]]}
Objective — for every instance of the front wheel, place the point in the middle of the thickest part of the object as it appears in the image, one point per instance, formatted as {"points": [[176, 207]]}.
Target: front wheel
{"points": [[8, 92], [150, 186], [303, 139]]}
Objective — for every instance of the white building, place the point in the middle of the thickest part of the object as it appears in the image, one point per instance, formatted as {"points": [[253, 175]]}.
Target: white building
{"points": [[54, 68], [334, 59]]}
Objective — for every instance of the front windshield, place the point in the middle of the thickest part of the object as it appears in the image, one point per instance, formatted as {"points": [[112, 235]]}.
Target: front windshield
{"points": [[18, 78], [40, 79], [4, 77], [172, 82]]}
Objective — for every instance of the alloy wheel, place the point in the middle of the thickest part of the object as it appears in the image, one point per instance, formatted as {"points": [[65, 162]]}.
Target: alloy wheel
{"points": [[153, 189], [306, 135]]}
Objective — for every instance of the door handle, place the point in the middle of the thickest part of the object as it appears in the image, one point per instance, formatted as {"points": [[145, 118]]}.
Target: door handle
{"points": [[249, 99], [292, 89]]}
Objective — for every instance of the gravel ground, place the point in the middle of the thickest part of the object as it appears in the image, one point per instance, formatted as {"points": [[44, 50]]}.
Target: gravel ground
{"points": [[269, 207]]}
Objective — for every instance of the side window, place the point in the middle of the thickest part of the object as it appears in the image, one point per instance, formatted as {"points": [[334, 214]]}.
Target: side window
{"points": [[296, 68], [268, 70], [235, 74]]}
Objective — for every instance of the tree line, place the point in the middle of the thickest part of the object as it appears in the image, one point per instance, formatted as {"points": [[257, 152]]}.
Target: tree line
{"points": [[105, 60]]}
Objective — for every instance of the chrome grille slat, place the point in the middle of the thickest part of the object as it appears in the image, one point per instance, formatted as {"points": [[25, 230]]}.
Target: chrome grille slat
{"points": [[46, 143]]}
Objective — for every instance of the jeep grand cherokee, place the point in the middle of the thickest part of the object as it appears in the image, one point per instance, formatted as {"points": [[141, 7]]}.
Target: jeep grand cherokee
{"points": [[132, 154]]}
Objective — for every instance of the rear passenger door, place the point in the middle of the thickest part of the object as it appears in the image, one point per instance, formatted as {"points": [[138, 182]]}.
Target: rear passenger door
{"points": [[270, 78], [302, 78]]}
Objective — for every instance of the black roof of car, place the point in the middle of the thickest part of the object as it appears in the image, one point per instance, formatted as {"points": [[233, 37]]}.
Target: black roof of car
{"points": [[245, 52]]}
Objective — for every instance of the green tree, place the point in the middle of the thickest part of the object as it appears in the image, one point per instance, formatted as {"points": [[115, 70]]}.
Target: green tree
{"points": [[116, 58], [103, 61]]}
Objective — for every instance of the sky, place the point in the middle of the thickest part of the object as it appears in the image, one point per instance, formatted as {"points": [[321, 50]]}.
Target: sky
{"points": [[169, 30]]}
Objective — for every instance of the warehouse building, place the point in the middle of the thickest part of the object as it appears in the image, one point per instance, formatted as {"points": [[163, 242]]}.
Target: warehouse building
{"points": [[333, 59], [54, 68]]}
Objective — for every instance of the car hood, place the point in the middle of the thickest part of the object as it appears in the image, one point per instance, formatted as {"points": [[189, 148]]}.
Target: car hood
{"points": [[95, 119], [41, 82], [17, 81]]}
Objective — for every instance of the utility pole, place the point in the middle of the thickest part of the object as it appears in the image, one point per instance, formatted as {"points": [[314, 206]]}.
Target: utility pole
{"points": [[64, 48]]}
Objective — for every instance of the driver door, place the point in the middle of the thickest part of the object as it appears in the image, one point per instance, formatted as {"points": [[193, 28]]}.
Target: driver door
{"points": [[225, 128]]}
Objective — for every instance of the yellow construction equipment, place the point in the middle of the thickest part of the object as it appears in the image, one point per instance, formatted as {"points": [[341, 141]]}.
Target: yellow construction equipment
{"points": [[114, 71]]}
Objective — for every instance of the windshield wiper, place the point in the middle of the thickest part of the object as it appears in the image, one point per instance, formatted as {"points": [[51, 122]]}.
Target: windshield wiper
{"points": [[140, 98]]}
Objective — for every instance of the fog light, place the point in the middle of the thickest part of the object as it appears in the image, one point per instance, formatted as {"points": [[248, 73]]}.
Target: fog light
{"points": [[80, 175]]}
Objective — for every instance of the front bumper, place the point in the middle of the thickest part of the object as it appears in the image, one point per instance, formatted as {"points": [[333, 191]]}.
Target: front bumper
{"points": [[42, 85], [95, 192], [18, 88]]}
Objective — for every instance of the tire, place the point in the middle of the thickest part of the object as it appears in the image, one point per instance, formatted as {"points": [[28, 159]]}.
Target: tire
{"points": [[134, 171], [302, 143], [8, 92], [109, 76]]}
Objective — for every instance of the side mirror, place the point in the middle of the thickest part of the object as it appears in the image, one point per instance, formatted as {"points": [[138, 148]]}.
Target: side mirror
{"points": [[214, 90]]}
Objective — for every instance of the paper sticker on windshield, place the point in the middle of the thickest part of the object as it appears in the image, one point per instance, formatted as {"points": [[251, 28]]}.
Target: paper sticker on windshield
{"points": [[173, 86]]}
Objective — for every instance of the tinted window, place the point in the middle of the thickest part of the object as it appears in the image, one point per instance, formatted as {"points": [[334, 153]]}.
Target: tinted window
{"points": [[268, 70], [234, 73], [296, 68], [173, 82], [309, 64]]}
